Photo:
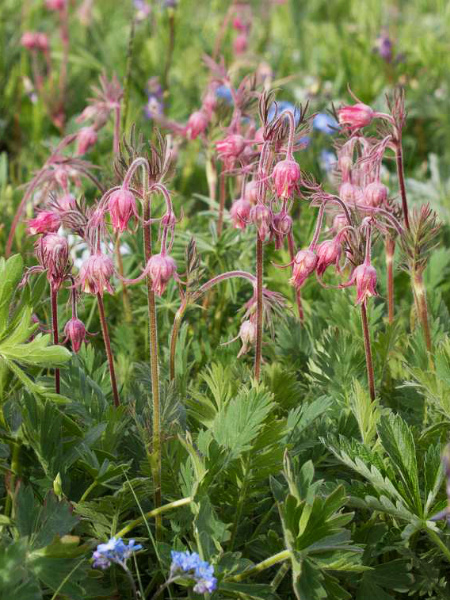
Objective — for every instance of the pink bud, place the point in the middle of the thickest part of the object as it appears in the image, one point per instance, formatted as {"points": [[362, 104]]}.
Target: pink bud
{"points": [[122, 206], [349, 193], [240, 43], [75, 331], [281, 227], [251, 192], [52, 252], [87, 137], [328, 253], [286, 175], [345, 165], [29, 40], [239, 24], [55, 4], [210, 102], [356, 116], [259, 136], [247, 333], [240, 213], [67, 202], [231, 146], [95, 274], [305, 262], [261, 216], [42, 42], [339, 222], [365, 278], [161, 268], [46, 222], [62, 177], [197, 124], [375, 194]]}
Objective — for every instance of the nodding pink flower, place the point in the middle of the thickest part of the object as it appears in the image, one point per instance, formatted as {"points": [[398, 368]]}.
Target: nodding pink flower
{"points": [[240, 213], [345, 165], [55, 4], [47, 221], [52, 252], [240, 43], [67, 202], [161, 268], [328, 253], [42, 42], [251, 192], [281, 227], [95, 274], [261, 217], [259, 136], [247, 333], [75, 331], [230, 147], [29, 40], [339, 222], [375, 194], [349, 193], [239, 24], [356, 116], [122, 206], [365, 279], [87, 137], [305, 262], [286, 175], [62, 177], [197, 124]]}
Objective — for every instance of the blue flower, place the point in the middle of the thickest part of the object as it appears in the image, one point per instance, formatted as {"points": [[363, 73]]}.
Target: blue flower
{"points": [[114, 551], [224, 92], [190, 565], [327, 160], [281, 107], [153, 107], [325, 123]]}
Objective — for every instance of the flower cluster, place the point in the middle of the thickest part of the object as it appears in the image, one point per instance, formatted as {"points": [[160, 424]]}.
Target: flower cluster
{"points": [[191, 566], [114, 551]]}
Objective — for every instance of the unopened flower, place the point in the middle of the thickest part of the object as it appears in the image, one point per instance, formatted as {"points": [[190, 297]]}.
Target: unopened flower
{"points": [[251, 191], [95, 274], [230, 147], [305, 262], [339, 222], [55, 4], [190, 565], [52, 252], [365, 279], [375, 194], [261, 216], [75, 331], [47, 221], [356, 116], [240, 43], [197, 124], [29, 40], [247, 333], [114, 551], [67, 202], [328, 253], [87, 137], [122, 206], [286, 176], [281, 227], [42, 42], [161, 268], [240, 213], [349, 193]]}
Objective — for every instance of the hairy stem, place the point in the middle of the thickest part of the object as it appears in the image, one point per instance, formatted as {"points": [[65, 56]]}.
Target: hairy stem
{"points": [[439, 543], [222, 196], [125, 297], [259, 306], [298, 294], [15, 452], [368, 350], [390, 249], [54, 302], [401, 181], [109, 355], [174, 338], [116, 139], [262, 566], [422, 308], [153, 513]]}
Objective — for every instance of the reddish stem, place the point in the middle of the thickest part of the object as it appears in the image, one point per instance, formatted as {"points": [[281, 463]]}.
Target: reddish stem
{"points": [[222, 193], [298, 294], [368, 350], [54, 303], [259, 306], [106, 339], [390, 249], [401, 181]]}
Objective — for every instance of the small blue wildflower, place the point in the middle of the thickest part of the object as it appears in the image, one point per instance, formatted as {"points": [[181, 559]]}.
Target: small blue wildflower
{"points": [[304, 141], [143, 9], [224, 92], [114, 551], [153, 107], [281, 107], [325, 123], [327, 160], [191, 566]]}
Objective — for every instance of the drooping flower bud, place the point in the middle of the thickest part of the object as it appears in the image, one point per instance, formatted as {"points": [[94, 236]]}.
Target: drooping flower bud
{"points": [[122, 206], [52, 252], [349, 193], [286, 175], [29, 40], [251, 192], [240, 213], [230, 147], [247, 333], [365, 279], [339, 222], [75, 331], [67, 202], [47, 221], [55, 4], [375, 194], [240, 43], [87, 137], [305, 263], [281, 227], [196, 125], [328, 253], [356, 116], [161, 268], [95, 274], [261, 216], [42, 42], [345, 164]]}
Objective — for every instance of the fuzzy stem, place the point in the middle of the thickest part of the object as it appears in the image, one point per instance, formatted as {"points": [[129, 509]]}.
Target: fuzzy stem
{"points": [[280, 576], [368, 350], [259, 306], [116, 130], [125, 297], [290, 145], [390, 249], [153, 513], [222, 196], [127, 83], [228, 275], [262, 566], [298, 294], [422, 308], [54, 303], [401, 181], [439, 543], [211, 177], [107, 341], [12, 480], [174, 338]]}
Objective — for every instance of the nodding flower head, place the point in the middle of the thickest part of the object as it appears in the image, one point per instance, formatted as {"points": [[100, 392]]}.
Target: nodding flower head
{"points": [[345, 164], [161, 268], [365, 279], [55, 4], [339, 222], [247, 333], [356, 116], [230, 147], [349, 193], [286, 176], [240, 43], [67, 202], [87, 137], [261, 217], [281, 227], [95, 274], [251, 192], [29, 40], [47, 221], [328, 253], [52, 252], [42, 42], [75, 331], [197, 124], [240, 213], [305, 263], [375, 194], [122, 206]]}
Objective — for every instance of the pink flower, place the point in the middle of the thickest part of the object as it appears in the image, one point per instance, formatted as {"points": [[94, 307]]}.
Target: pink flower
{"points": [[95, 274], [240, 213], [46, 222], [281, 227], [161, 268], [230, 147], [375, 194], [29, 40], [87, 137], [356, 116], [240, 43], [42, 42], [251, 192], [55, 4], [52, 252], [349, 193], [67, 202], [365, 279], [339, 222], [261, 216], [305, 262], [286, 175], [122, 206], [328, 253], [196, 125], [209, 102], [75, 331], [247, 333]]}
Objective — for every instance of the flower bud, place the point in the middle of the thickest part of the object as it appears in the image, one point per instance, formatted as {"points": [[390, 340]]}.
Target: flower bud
{"points": [[67, 202], [52, 252], [230, 147], [240, 213], [286, 175], [328, 253], [375, 194], [240, 43], [209, 102], [75, 331], [345, 165], [46, 222], [196, 125], [281, 227], [339, 222], [247, 333], [356, 116], [29, 40], [261, 216], [55, 4], [122, 206], [251, 192], [42, 42], [87, 137], [161, 268], [365, 278], [349, 193], [305, 262], [95, 274]]}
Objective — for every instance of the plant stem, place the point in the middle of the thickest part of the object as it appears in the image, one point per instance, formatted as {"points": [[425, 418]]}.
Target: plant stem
{"points": [[127, 83], [174, 338], [12, 480], [154, 366], [298, 294], [239, 509], [259, 306], [88, 491], [107, 341], [170, 49], [54, 302], [390, 249], [153, 513], [265, 564], [368, 350], [116, 139], [422, 308], [125, 297], [439, 543], [401, 181], [280, 576], [222, 195]]}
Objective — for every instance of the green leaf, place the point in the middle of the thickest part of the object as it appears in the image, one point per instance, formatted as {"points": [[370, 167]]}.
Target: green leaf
{"points": [[10, 276]]}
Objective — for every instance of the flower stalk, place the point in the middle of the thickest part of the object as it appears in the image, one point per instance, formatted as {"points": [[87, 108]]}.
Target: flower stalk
{"points": [[54, 306], [259, 306], [109, 354]]}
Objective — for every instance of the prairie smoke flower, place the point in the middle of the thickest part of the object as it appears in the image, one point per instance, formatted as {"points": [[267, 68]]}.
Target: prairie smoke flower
{"points": [[230, 147], [325, 123], [161, 268], [29, 40], [47, 221], [261, 217], [114, 551], [95, 274], [356, 116], [345, 165], [375, 194], [286, 175], [87, 137], [55, 4], [247, 333], [122, 206], [240, 43], [349, 192], [240, 213], [197, 124], [189, 565], [75, 331], [251, 192], [42, 42], [339, 222], [365, 279], [66, 202], [305, 262], [328, 253], [52, 252], [281, 227]]}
